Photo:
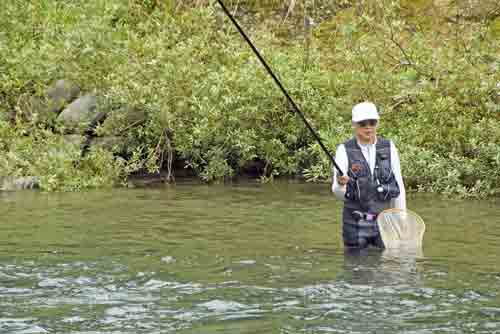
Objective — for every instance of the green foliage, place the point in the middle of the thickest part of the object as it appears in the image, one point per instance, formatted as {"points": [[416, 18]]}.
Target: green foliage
{"points": [[56, 161], [189, 74]]}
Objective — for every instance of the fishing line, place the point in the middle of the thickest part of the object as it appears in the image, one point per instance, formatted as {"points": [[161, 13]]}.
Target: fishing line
{"points": [[289, 98]]}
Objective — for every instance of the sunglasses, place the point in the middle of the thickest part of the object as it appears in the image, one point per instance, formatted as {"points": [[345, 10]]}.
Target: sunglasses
{"points": [[368, 122]]}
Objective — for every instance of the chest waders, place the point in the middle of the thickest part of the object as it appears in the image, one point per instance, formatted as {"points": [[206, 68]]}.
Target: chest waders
{"points": [[367, 194]]}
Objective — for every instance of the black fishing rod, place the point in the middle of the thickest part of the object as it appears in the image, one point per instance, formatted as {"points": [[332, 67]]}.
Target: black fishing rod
{"points": [[295, 107]]}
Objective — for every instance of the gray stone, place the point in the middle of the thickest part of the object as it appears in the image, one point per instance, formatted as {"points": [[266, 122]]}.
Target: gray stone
{"points": [[43, 109], [19, 183], [79, 113], [60, 94]]}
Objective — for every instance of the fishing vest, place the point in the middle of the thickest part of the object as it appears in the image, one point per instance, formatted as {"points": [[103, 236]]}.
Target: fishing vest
{"points": [[365, 192]]}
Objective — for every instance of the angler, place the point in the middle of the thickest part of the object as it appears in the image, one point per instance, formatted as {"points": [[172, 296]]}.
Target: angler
{"points": [[373, 182]]}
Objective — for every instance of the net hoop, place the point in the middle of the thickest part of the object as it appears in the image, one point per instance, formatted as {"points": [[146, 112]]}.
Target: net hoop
{"points": [[401, 228]]}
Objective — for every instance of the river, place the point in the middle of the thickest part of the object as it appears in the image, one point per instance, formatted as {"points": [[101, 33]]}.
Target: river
{"points": [[239, 258]]}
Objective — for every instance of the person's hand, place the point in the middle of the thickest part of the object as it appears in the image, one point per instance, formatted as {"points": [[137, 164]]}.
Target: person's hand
{"points": [[342, 180]]}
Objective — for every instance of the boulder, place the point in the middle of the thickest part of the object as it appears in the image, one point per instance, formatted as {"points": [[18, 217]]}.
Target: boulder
{"points": [[79, 113], [45, 108], [60, 94], [19, 183]]}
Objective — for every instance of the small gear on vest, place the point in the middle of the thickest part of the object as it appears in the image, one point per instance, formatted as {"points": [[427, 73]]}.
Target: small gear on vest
{"points": [[366, 216]]}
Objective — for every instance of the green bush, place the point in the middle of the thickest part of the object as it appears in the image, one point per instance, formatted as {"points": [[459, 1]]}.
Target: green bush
{"points": [[187, 69], [55, 161]]}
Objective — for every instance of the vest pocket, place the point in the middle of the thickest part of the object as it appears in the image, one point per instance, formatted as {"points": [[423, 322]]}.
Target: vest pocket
{"points": [[351, 192], [357, 169]]}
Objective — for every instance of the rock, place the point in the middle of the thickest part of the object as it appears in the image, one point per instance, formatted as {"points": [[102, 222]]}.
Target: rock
{"points": [[20, 183], [44, 109], [60, 94], [79, 113]]}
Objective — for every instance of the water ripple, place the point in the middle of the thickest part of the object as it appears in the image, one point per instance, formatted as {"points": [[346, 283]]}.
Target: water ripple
{"points": [[100, 299]]}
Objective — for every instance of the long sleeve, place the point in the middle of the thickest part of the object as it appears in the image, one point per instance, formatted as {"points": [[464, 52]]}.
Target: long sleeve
{"points": [[400, 201], [342, 162]]}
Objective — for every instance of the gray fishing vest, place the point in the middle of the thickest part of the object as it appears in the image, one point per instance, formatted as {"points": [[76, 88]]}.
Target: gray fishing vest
{"points": [[365, 192]]}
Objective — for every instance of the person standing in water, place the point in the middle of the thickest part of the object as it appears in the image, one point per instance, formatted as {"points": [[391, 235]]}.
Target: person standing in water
{"points": [[372, 182]]}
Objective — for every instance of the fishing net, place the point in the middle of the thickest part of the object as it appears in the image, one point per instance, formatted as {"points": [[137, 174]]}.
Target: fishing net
{"points": [[401, 228]]}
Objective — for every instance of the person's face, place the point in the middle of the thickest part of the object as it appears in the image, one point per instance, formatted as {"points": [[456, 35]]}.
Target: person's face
{"points": [[366, 130]]}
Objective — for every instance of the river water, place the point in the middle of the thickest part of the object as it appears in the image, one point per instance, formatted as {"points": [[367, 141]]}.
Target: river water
{"points": [[242, 258]]}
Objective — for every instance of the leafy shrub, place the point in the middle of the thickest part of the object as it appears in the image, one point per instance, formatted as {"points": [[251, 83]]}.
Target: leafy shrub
{"points": [[56, 161], [189, 72]]}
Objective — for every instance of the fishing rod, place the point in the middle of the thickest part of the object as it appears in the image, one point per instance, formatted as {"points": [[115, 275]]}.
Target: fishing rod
{"points": [[290, 100]]}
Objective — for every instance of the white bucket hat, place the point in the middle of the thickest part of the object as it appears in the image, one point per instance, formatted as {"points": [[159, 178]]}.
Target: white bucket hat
{"points": [[363, 111]]}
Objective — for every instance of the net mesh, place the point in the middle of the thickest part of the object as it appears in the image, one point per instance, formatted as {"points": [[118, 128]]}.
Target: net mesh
{"points": [[401, 228]]}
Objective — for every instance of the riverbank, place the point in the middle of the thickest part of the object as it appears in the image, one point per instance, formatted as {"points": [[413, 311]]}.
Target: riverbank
{"points": [[151, 87]]}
